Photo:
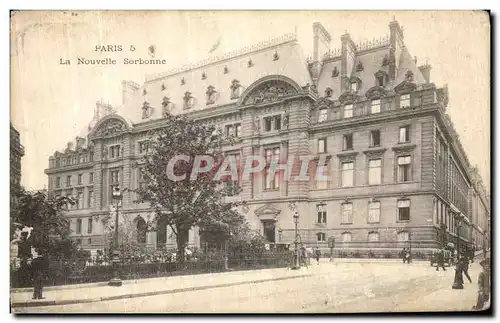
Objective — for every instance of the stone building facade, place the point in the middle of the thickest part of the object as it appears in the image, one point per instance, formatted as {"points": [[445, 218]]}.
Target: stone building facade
{"points": [[366, 115]]}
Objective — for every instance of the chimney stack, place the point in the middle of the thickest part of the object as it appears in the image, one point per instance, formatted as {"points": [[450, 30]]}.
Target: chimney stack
{"points": [[102, 109], [426, 72], [128, 89], [321, 41], [396, 46], [80, 142]]}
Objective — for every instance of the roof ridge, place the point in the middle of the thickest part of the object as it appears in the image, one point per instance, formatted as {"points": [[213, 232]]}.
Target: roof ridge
{"points": [[275, 41]]}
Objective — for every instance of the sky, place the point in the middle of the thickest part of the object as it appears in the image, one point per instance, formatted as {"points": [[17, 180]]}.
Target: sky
{"points": [[51, 103]]}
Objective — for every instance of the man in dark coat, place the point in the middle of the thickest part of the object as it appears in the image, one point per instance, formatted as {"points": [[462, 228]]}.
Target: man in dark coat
{"points": [[403, 255], [464, 262], [39, 268], [440, 260], [317, 254]]}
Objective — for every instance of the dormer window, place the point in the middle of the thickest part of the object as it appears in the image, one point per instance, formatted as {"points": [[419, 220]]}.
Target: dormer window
{"points": [[380, 80], [328, 92], [146, 110], [188, 100], [144, 92], [235, 89], [409, 76], [211, 95], [348, 111], [163, 87], [276, 56], [226, 70], [359, 67], [203, 76], [166, 105], [250, 63], [335, 72], [183, 81]]}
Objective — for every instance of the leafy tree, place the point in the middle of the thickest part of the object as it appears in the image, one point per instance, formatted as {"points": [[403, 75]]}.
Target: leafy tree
{"points": [[44, 214], [198, 201]]}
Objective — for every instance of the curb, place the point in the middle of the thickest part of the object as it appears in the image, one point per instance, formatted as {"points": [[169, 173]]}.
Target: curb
{"points": [[137, 295]]}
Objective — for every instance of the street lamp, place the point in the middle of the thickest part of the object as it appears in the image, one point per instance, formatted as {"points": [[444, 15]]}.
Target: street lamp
{"points": [[458, 280], [409, 238], [116, 281], [296, 265], [280, 231]]}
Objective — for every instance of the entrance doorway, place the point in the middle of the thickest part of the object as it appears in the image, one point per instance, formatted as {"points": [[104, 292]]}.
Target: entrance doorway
{"points": [[269, 230]]}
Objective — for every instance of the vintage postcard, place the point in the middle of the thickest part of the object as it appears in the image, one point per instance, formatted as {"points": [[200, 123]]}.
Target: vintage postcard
{"points": [[250, 161]]}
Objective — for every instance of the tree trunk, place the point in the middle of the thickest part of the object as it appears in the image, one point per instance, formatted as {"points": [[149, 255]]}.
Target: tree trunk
{"points": [[182, 240]]}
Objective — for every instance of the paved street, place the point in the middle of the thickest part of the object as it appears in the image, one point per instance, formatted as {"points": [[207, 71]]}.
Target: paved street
{"points": [[337, 287]]}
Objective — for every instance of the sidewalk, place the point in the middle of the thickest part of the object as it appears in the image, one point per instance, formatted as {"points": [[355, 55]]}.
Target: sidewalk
{"points": [[87, 293]]}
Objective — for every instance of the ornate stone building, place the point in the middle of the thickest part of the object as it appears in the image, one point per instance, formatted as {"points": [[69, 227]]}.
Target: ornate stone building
{"points": [[366, 114]]}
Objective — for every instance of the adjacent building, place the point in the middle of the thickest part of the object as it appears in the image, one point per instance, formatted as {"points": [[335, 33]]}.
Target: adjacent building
{"points": [[367, 116], [16, 153]]}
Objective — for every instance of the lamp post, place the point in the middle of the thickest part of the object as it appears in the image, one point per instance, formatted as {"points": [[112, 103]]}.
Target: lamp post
{"points": [[296, 265], [458, 280], [409, 238], [280, 231], [116, 281]]}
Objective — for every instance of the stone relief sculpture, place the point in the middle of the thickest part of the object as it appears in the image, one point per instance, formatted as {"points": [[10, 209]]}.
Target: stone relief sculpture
{"points": [[111, 127], [285, 120], [256, 124], [271, 91]]}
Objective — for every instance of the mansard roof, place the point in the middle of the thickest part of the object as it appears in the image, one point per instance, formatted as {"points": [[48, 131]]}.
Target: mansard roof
{"points": [[282, 59]]}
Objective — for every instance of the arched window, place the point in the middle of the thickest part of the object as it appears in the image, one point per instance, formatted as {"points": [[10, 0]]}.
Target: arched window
{"points": [[141, 231], [161, 231], [321, 237], [346, 237], [373, 237]]}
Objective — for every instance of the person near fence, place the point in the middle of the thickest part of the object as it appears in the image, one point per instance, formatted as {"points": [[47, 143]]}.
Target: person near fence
{"points": [[483, 295], [39, 269]]}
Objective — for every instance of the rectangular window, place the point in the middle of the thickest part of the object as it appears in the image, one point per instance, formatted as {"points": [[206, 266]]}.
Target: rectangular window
{"points": [[347, 174], [115, 176], [403, 210], [380, 80], [79, 226], [323, 115], [321, 237], [375, 107], [354, 87], [277, 123], [80, 179], [91, 178], [68, 180], [322, 184], [229, 130], [347, 213], [237, 130], [267, 123], [79, 200], [321, 212], [403, 236], [374, 171], [404, 101], [348, 111], [89, 226], [404, 134], [347, 143], [90, 199], [58, 182], [404, 169], [321, 145], [272, 182], [115, 150], [374, 212], [375, 138]]}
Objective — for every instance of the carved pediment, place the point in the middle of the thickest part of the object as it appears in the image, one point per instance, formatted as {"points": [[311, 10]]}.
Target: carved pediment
{"points": [[110, 127], [405, 86], [269, 92], [323, 103], [348, 97], [375, 92], [267, 211]]}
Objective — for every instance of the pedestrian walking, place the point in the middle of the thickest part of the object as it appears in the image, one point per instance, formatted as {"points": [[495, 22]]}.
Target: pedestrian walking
{"points": [[318, 254], [440, 260], [458, 281], [403, 255], [483, 283], [39, 268]]}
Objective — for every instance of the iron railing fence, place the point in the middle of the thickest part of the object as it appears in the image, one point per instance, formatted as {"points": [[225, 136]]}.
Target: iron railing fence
{"points": [[65, 273]]}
